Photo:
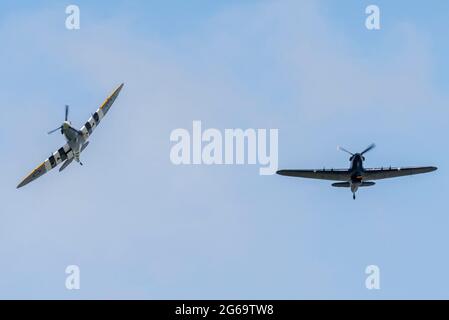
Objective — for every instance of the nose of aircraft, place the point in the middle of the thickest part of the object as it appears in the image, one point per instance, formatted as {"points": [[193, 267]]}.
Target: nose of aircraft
{"points": [[65, 126]]}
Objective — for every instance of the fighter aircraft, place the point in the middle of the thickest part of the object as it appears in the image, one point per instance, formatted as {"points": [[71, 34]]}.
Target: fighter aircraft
{"points": [[356, 176], [77, 141]]}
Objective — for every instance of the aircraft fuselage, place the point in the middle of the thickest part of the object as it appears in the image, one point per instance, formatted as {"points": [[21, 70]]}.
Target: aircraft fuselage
{"points": [[356, 171], [74, 138]]}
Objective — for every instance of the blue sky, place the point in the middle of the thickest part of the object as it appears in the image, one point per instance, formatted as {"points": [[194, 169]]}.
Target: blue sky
{"points": [[140, 227]]}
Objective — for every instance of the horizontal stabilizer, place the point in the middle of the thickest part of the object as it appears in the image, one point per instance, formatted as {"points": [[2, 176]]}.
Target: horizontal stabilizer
{"points": [[65, 164], [341, 184], [367, 184], [84, 146], [347, 184]]}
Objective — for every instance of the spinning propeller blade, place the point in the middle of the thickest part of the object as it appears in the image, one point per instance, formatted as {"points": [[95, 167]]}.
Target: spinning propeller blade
{"points": [[344, 150], [66, 119], [52, 131], [371, 146]]}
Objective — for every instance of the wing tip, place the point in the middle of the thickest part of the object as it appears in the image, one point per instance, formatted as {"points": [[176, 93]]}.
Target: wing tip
{"points": [[120, 87], [22, 184], [36, 173], [117, 91], [286, 172]]}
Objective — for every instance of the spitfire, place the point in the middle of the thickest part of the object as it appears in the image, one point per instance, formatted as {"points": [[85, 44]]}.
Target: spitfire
{"points": [[77, 140], [356, 176]]}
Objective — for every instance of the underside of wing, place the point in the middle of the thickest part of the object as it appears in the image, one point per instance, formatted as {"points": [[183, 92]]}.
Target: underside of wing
{"points": [[384, 173], [325, 174], [63, 154], [95, 119]]}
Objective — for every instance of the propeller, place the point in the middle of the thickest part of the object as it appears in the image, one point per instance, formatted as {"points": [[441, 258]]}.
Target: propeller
{"points": [[344, 150], [66, 118], [371, 146], [52, 131]]}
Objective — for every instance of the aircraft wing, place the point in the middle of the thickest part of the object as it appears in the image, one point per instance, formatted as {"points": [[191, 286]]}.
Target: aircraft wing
{"points": [[324, 174], [95, 119], [384, 173], [64, 153]]}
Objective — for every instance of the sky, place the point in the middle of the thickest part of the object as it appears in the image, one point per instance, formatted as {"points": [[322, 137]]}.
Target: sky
{"points": [[140, 227]]}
